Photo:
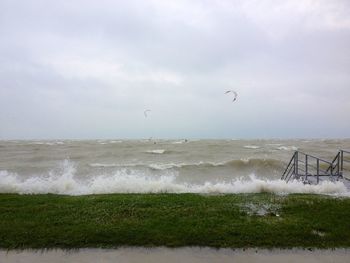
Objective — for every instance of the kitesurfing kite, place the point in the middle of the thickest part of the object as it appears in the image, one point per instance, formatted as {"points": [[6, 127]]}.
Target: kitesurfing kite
{"points": [[234, 93], [145, 113]]}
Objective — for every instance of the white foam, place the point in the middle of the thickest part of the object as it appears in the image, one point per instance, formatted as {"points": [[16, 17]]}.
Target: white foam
{"points": [[155, 166], [158, 166], [288, 148], [38, 143], [51, 143], [178, 142], [111, 165], [64, 181], [165, 166], [252, 147], [261, 209], [157, 151], [115, 141]]}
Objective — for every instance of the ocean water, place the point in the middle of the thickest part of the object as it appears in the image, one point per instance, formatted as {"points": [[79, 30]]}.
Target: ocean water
{"points": [[157, 166]]}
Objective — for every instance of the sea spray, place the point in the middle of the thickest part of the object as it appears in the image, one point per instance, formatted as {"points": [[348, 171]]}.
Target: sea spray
{"points": [[125, 181]]}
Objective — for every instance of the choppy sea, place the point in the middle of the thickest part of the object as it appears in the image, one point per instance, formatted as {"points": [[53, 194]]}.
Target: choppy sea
{"points": [[156, 166]]}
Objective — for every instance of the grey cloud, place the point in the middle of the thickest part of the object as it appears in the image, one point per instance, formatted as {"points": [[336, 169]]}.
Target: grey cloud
{"points": [[87, 69]]}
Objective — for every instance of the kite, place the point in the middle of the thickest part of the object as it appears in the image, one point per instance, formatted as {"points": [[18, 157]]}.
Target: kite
{"points": [[234, 93], [145, 113]]}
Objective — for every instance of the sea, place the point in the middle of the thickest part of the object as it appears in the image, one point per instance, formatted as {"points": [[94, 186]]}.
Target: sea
{"points": [[84, 167]]}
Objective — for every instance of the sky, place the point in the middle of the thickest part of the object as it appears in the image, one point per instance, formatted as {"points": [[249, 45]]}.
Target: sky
{"points": [[82, 69]]}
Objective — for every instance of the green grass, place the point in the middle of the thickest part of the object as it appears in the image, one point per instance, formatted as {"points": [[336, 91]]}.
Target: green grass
{"points": [[237, 221]]}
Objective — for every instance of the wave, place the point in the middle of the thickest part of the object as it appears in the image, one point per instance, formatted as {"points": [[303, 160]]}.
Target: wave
{"points": [[47, 143], [158, 151], [64, 181], [178, 142], [287, 148], [258, 164], [155, 166], [252, 147], [67, 184], [111, 165], [240, 164], [119, 141], [274, 145]]}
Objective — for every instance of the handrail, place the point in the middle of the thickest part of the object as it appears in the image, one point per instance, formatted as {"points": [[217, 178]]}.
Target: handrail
{"points": [[315, 167], [342, 161], [288, 165], [309, 155], [289, 173], [306, 169], [336, 158]]}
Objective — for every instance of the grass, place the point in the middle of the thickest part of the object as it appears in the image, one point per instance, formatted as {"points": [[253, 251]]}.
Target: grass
{"points": [[173, 220]]}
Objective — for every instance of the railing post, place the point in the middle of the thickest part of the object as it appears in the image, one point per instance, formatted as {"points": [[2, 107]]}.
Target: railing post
{"points": [[306, 166], [290, 170], [296, 160], [338, 165], [318, 170], [331, 170], [341, 162]]}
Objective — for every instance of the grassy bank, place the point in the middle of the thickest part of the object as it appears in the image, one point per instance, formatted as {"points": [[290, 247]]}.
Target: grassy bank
{"points": [[251, 220]]}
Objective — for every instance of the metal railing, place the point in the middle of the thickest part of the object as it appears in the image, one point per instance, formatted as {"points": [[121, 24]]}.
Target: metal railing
{"points": [[290, 169], [344, 163], [302, 166]]}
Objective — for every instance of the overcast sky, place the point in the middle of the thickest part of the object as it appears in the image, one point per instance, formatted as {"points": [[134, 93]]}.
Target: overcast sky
{"points": [[88, 69]]}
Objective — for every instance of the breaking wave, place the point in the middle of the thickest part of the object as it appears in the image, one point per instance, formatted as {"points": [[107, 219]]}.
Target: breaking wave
{"points": [[50, 143], [287, 148], [241, 164], [65, 181], [252, 147], [158, 151]]}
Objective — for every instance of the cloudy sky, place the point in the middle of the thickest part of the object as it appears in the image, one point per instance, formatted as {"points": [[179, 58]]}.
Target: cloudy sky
{"points": [[88, 69]]}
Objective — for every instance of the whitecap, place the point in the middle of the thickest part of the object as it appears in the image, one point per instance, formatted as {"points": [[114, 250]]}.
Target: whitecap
{"points": [[115, 141], [287, 148], [158, 151], [164, 166], [105, 165], [123, 181], [252, 147]]}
